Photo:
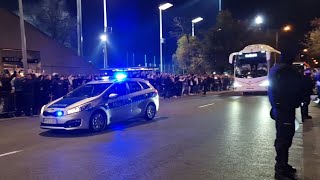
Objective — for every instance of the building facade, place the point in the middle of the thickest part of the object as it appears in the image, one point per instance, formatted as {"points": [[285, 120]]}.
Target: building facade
{"points": [[44, 54]]}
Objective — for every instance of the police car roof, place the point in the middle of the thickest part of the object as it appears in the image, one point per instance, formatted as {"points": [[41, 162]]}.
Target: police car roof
{"points": [[115, 80]]}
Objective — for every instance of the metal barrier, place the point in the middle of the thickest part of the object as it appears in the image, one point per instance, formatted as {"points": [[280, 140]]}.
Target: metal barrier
{"points": [[7, 104]]}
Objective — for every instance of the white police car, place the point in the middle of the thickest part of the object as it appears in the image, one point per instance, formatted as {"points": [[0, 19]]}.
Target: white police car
{"points": [[100, 103]]}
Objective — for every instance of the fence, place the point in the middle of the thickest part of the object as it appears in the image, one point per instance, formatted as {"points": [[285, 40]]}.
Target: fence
{"points": [[7, 104]]}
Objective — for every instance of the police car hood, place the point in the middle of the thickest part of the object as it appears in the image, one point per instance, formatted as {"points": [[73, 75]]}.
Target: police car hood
{"points": [[70, 102]]}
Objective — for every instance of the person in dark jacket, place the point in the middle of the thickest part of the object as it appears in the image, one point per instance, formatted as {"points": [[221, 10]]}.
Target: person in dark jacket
{"points": [[205, 84], [45, 83], [58, 88], [308, 86], [17, 82], [8, 105], [28, 95], [285, 95]]}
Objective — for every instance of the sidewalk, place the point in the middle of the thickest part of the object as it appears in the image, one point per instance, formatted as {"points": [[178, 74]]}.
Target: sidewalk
{"points": [[311, 144]]}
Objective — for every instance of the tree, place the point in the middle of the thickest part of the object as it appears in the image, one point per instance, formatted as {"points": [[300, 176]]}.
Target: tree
{"points": [[228, 36], [189, 55], [53, 18], [180, 27], [313, 38]]}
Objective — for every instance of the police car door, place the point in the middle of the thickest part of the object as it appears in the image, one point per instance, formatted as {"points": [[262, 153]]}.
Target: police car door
{"points": [[119, 107], [138, 97]]}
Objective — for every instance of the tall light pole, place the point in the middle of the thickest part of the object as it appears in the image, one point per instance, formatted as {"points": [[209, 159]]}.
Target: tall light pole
{"points": [[79, 28], [162, 8], [105, 20], [23, 39], [194, 21], [220, 5]]}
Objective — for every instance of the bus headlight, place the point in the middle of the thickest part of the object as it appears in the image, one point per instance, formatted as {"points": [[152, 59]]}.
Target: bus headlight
{"points": [[236, 84], [265, 83], [78, 109]]}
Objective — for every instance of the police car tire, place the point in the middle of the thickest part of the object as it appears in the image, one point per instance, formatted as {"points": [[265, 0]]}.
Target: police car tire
{"points": [[147, 116], [91, 121]]}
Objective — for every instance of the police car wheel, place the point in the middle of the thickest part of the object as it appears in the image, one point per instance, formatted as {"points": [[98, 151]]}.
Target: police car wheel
{"points": [[98, 122], [150, 111]]}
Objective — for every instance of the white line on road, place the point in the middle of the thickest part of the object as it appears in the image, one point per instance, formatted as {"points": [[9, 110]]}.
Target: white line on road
{"points": [[206, 105], [9, 153]]}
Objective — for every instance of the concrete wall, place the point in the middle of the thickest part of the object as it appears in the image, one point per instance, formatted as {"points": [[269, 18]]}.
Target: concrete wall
{"points": [[54, 57]]}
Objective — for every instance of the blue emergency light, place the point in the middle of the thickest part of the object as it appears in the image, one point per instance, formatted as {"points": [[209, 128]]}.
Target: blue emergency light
{"points": [[120, 76]]}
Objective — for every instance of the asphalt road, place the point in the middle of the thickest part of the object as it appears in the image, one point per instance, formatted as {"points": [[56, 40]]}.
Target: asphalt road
{"points": [[201, 137]]}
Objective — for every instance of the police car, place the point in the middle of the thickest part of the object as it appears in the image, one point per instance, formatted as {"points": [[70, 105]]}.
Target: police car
{"points": [[99, 103]]}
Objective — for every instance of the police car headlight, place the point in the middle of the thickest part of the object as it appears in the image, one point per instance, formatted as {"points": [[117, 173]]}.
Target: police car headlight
{"points": [[78, 109], [236, 84], [265, 83]]}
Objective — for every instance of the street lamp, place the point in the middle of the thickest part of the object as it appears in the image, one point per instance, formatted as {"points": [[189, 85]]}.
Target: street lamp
{"points": [[259, 20], [104, 36], [23, 38], [305, 50], [162, 8], [194, 21], [287, 28]]}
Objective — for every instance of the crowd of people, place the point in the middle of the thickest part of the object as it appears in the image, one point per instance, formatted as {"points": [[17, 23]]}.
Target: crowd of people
{"points": [[25, 95], [170, 85]]}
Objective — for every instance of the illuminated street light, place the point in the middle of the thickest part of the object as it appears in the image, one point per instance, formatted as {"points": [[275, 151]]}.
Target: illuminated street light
{"points": [[162, 8], [194, 21], [104, 38], [305, 50], [165, 6], [287, 28], [258, 20]]}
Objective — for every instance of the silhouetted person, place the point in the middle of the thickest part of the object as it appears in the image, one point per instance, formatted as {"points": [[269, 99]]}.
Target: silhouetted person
{"points": [[308, 86], [285, 95]]}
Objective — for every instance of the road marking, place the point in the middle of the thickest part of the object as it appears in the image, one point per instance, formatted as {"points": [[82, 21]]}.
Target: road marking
{"points": [[206, 105], [9, 153]]}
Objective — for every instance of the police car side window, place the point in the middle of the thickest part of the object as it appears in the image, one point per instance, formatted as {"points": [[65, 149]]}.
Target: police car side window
{"points": [[120, 89], [134, 87], [144, 85]]}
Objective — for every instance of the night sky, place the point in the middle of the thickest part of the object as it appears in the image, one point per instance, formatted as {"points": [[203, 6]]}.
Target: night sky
{"points": [[135, 23]]}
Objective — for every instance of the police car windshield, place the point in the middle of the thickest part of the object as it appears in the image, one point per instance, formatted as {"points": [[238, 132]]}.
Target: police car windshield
{"points": [[88, 90]]}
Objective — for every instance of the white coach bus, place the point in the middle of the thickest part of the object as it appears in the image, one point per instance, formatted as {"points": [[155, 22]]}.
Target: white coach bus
{"points": [[252, 66]]}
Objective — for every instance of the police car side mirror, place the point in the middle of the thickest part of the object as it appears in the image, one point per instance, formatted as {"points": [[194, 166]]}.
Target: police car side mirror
{"points": [[113, 96]]}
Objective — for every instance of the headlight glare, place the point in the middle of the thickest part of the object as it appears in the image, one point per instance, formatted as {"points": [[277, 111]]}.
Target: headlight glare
{"points": [[236, 84], [265, 83], [78, 109]]}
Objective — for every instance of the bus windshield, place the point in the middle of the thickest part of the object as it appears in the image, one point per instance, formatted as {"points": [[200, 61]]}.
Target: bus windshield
{"points": [[251, 65]]}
